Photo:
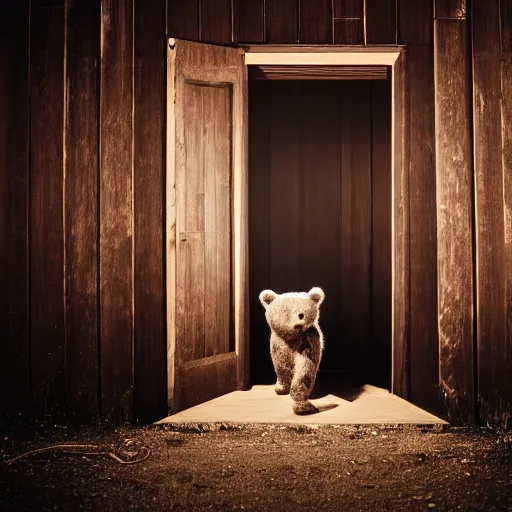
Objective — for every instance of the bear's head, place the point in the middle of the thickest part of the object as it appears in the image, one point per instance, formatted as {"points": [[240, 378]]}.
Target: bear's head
{"points": [[291, 313]]}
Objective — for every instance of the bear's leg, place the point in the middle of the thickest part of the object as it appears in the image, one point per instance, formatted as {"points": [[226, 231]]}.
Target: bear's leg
{"points": [[281, 388], [302, 385], [282, 359], [284, 379]]}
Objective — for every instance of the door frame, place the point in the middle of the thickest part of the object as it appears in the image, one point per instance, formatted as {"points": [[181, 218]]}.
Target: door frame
{"points": [[394, 57], [288, 55]]}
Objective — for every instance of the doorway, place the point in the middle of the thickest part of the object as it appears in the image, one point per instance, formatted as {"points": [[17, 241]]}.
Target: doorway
{"points": [[320, 214], [328, 234]]}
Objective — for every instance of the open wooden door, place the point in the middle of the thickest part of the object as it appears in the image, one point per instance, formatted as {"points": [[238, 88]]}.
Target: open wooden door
{"points": [[206, 222]]}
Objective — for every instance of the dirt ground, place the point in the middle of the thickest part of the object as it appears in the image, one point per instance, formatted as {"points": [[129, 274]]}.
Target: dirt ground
{"points": [[264, 468]]}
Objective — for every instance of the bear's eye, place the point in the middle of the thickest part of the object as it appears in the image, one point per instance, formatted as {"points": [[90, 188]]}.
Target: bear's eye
{"points": [[301, 316]]}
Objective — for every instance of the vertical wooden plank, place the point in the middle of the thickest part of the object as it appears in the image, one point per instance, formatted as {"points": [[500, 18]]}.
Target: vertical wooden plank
{"points": [[116, 210], [356, 217], [415, 22], [46, 208], [454, 254], [319, 230], [249, 20], [241, 222], [348, 31], [400, 231], [315, 26], [284, 187], [454, 9], [81, 209], [259, 225], [150, 366], [183, 19], [282, 17], [381, 222], [191, 291], [218, 199], [215, 21], [191, 226], [490, 240], [14, 179], [424, 344], [348, 8], [193, 181], [381, 21], [506, 134]]}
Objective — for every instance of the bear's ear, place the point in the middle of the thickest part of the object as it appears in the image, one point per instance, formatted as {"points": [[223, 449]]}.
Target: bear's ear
{"points": [[316, 294], [267, 296]]}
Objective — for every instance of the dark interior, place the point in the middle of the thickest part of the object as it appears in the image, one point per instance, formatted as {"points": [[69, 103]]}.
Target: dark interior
{"points": [[320, 215]]}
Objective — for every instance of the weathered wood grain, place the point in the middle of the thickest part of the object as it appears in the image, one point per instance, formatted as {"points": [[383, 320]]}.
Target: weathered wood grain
{"points": [[380, 347], [81, 209], [400, 247], [116, 210], [348, 31], [215, 21], [47, 334], [424, 344], [455, 9], [415, 22], [191, 226], [191, 292], [14, 189], [490, 224], [183, 19], [381, 23], [348, 8], [355, 219], [205, 379], [454, 224], [218, 282], [249, 21], [206, 83], [282, 21], [506, 134], [315, 25], [150, 366], [241, 337]]}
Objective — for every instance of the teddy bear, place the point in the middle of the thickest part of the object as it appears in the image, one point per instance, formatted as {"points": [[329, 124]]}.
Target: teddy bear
{"points": [[296, 343]]}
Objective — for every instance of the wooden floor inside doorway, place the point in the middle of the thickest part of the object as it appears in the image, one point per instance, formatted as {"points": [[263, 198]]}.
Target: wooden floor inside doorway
{"points": [[361, 404]]}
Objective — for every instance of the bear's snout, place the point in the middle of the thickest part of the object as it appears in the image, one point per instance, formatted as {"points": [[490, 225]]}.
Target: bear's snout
{"points": [[299, 325]]}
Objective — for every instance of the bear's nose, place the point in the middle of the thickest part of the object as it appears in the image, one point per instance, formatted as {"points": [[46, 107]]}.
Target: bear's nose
{"points": [[301, 316]]}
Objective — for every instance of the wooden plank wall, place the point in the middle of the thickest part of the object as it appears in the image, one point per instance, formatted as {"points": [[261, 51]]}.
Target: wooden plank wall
{"points": [[492, 58], [454, 214], [81, 175], [14, 189], [420, 151], [320, 162], [59, 147]]}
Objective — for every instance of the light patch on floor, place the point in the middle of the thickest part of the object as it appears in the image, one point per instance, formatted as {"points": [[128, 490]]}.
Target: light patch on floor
{"points": [[370, 405]]}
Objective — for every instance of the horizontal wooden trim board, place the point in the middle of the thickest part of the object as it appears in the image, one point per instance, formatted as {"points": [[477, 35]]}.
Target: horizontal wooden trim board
{"points": [[265, 72], [309, 58], [320, 48], [206, 361]]}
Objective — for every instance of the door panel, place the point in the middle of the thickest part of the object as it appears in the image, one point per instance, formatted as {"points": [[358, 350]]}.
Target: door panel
{"points": [[206, 181]]}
